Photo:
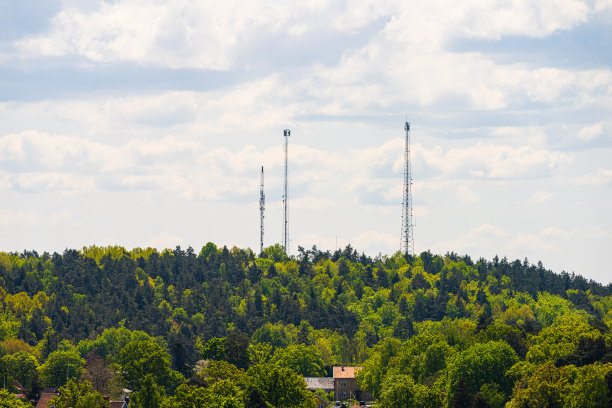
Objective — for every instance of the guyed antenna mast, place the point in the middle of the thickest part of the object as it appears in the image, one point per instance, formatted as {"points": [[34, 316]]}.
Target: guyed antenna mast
{"points": [[287, 133], [262, 207], [407, 239]]}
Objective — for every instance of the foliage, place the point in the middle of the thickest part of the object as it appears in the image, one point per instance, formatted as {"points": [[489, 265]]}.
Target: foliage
{"points": [[374, 369], [65, 363], [20, 366], [483, 363], [279, 386], [8, 400], [544, 389], [149, 394], [216, 371], [414, 323], [303, 360], [78, 395], [222, 394], [401, 391], [140, 358]]}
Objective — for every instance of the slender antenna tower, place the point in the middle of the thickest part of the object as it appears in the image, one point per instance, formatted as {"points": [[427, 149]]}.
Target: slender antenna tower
{"points": [[407, 239], [262, 207], [287, 133]]}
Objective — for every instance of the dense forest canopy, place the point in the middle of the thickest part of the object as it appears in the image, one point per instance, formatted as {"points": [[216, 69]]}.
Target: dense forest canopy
{"points": [[219, 325]]}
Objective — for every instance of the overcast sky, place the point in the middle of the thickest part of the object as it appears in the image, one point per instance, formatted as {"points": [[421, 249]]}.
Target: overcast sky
{"points": [[146, 123]]}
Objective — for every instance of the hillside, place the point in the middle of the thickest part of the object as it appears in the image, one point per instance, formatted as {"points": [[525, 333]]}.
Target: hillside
{"points": [[431, 329]]}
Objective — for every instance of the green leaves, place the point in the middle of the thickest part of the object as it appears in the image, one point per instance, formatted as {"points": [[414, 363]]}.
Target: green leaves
{"points": [[481, 364], [401, 391], [143, 357], [279, 386], [78, 395], [8, 400], [20, 366], [301, 359], [60, 366]]}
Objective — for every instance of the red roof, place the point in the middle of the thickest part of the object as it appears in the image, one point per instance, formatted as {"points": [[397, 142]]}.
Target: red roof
{"points": [[44, 399], [345, 372]]}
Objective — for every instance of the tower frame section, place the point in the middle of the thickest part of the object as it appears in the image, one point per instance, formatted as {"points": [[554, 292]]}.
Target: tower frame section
{"points": [[407, 236], [286, 134], [262, 208]]}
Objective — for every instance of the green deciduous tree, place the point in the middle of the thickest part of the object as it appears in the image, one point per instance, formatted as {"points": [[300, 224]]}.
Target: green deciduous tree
{"points": [[483, 363], [149, 394], [61, 365], [590, 388], [374, 369], [216, 371], [279, 386], [254, 400], [20, 366], [222, 394], [140, 358], [303, 360], [560, 339], [545, 388], [401, 391], [259, 353], [8, 400], [74, 395]]}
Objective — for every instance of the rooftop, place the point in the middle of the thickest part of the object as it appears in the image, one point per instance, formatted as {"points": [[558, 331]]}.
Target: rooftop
{"points": [[316, 383], [44, 399], [345, 372]]}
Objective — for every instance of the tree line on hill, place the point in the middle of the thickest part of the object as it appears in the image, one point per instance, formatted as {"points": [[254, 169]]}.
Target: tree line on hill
{"points": [[229, 328]]}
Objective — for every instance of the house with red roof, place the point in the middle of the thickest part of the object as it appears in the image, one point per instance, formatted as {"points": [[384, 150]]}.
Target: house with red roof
{"points": [[345, 385]]}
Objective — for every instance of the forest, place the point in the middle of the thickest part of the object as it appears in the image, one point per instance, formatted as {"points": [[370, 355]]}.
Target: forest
{"points": [[230, 328]]}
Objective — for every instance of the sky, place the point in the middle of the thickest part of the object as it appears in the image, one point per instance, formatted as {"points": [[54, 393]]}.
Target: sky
{"points": [[146, 123]]}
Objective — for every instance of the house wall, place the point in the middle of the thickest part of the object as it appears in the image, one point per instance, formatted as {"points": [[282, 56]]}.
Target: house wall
{"points": [[347, 388]]}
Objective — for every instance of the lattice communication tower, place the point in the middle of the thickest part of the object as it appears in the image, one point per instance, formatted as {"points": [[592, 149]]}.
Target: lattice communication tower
{"points": [[262, 207], [287, 133], [407, 239]]}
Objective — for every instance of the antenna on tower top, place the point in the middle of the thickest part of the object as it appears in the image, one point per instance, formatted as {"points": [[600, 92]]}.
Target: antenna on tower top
{"points": [[286, 134], [407, 239], [262, 207]]}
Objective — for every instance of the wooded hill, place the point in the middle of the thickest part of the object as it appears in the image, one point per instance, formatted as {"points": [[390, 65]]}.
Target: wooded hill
{"points": [[429, 330]]}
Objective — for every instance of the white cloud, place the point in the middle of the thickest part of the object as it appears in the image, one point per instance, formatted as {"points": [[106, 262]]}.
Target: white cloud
{"points": [[474, 239], [556, 232], [493, 161], [600, 178], [180, 33], [531, 243], [589, 133], [465, 195], [540, 197], [211, 35], [602, 5]]}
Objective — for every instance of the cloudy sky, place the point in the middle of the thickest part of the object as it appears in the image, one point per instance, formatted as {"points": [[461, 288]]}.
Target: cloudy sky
{"points": [[145, 123]]}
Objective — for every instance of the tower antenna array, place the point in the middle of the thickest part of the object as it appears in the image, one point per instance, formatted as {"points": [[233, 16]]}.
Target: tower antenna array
{"points": [[287, 133], [262, 207], [407, 239]]}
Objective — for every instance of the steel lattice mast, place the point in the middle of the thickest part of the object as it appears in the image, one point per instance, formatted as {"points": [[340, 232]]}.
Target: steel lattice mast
{"points": [[287, 133], [262, 207], [407, 239]]}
